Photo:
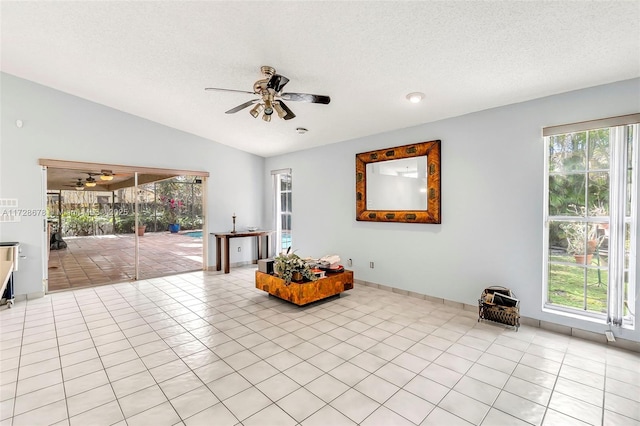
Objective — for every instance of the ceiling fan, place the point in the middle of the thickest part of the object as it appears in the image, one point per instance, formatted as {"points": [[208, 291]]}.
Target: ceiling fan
{"points": [[269, 89], [79, 186], [90, 182], [105, 175]]}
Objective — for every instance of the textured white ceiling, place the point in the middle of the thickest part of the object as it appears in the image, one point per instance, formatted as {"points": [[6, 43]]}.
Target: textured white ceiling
{"points": [[153, 59]]}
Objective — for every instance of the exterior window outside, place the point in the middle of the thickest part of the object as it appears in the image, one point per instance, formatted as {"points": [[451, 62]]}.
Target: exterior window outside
{"points": [[590, 223], [282, 203]]}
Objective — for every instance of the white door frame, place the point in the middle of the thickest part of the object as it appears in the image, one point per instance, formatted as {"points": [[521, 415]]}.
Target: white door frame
{"points": [[76, 165]]}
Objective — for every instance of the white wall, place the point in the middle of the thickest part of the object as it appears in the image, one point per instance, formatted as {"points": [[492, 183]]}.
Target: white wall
{"points": [[492, 188], [492, 202], [60, 126]]}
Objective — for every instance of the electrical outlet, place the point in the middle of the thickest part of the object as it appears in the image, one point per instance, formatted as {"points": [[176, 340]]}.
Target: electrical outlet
{"points": [[350, 262], [239, 249], [371, 265]]}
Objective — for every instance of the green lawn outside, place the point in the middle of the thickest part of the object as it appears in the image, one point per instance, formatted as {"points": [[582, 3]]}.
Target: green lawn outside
{"points": [[566, 284]]}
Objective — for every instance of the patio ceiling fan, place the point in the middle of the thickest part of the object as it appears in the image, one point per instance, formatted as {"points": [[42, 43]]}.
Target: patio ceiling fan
{"points": [[269, 90], [90, 181], [79, 186], [105, 176]]}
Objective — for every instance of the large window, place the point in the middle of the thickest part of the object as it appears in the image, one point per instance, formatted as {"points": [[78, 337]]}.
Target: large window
{"points": [[282, 204], [591, 219]]}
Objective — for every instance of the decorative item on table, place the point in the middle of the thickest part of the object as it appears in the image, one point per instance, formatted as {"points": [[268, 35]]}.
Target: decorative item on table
{"points": [[312, 261], [330, 263], [319, 273], [265, 266], [290, 267], [252, 228], [234, 223]]}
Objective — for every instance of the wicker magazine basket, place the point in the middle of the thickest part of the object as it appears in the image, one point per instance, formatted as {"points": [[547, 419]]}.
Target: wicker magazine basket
{"points": [[488, 310]]}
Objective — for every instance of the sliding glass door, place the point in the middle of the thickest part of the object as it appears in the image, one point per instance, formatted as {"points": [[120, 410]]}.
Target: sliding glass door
{"points": [[118, 224], [170, 226]]}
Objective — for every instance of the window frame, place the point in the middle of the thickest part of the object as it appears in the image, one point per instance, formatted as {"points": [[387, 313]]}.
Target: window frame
{"points": [[278, 213], [619, 189]]}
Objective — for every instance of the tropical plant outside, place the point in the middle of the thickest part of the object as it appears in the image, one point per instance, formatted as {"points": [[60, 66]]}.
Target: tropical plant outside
{"points": [[578, 210], [87, 213], [578, 220]]}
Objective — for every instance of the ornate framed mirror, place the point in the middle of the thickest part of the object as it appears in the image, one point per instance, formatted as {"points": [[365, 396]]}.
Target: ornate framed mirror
{"points": [[400, 184]]}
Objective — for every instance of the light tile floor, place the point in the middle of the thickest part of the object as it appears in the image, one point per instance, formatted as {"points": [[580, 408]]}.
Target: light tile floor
{"points": [[206, 348]]}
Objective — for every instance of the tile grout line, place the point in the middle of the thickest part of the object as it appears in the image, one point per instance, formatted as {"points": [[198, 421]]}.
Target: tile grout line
{"points": [[140, 358], [195, 304], [99, 357], [15, 398], [179, 357]]}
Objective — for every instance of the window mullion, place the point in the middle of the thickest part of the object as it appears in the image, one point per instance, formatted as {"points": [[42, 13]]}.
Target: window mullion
{"points": [[632, 219], [618, 165]]}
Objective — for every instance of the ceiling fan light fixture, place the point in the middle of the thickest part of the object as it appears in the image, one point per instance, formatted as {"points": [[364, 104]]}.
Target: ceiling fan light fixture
{"points": [[255, 111], [106, 175], [281, 112], [415, 97], [268, 108], [266, 117], [91, 182], [79, 188]]}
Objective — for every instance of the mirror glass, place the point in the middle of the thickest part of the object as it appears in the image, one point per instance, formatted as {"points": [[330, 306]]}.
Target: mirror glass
{"points": [[397, 184]]}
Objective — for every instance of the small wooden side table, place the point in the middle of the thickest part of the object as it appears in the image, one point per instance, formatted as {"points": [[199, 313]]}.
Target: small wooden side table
{"points": [[222, 239]]}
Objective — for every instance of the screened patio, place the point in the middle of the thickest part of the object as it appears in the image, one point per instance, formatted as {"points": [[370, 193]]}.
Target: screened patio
{"points": [[93, 210]]}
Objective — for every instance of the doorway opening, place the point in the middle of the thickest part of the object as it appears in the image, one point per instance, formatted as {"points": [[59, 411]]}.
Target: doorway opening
{"points": [[133, 225]]}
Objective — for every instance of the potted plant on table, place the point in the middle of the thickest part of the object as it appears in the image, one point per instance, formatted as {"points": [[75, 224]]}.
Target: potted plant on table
{"points": [[290, 267]]}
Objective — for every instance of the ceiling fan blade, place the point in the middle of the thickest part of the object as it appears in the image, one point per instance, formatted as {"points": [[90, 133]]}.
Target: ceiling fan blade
{"points": [[277, 82], [242, 106], [290, 113], [306, 97], [227, 90]]}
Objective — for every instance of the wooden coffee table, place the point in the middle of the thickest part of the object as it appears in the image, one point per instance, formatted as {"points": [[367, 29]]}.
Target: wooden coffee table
{"points": [[303, 293]]}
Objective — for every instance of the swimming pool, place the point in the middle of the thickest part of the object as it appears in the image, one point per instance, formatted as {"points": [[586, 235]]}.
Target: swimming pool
{"points": [[194, 234]]}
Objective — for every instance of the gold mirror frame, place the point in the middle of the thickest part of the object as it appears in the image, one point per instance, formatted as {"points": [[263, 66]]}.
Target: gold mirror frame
{"points": [[432, 212]]}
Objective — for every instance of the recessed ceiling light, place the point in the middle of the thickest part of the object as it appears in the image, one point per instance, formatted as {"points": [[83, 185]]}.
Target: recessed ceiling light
{"points": [[415, 97], [301, 130]]}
